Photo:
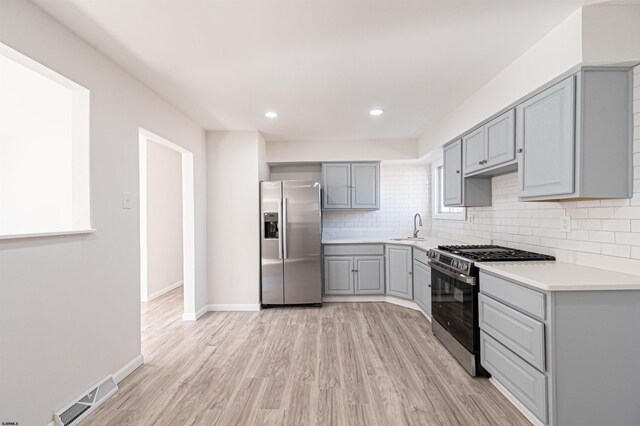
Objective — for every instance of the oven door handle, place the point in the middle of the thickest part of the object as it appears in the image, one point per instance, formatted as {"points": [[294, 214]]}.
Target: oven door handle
{"points": [[460, 277]]}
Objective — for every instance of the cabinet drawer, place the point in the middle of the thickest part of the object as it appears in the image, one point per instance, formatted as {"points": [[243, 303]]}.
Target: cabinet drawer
{"points": [[522, 380], [353, 249], [519, 332], [420, 256], [522, 298]]}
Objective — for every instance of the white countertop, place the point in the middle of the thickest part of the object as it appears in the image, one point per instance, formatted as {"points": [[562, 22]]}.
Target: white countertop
{"points": [[561, 276], [425, 244]]}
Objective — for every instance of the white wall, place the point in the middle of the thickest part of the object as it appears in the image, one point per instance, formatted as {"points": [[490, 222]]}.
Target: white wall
{"points": [[611, 34], [556, 53], [604, 232], [164, 219], [70, 306], [234, 166], [403, 193], [339, 150]]}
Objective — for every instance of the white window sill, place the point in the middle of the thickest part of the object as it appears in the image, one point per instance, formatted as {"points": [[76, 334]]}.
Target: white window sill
{"points": [[48, 234]]}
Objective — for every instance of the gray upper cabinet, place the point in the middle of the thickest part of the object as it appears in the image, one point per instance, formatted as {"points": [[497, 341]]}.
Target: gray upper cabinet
{"points": [[338, 275], [490, 145], [399, 271], [574, 138], [336, 185], [365, 181], [422, 285], [472, 192], [500, 140], [369, 277], [546, 135], [453, 174], [350, 186], [474, 150]]}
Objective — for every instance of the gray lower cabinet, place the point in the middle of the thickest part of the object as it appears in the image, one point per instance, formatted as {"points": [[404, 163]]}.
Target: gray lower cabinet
{"points": [[338, 275], [353, 269], [399, 271], [422, 285], [570, 357], [351, 186]]}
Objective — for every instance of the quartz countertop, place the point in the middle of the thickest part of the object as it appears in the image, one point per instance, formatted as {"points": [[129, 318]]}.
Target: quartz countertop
{"points": [[561, 276]]}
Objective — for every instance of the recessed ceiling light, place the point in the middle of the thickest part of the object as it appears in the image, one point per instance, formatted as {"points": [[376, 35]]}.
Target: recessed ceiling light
{"points": [[271, 114], [376, 111]]}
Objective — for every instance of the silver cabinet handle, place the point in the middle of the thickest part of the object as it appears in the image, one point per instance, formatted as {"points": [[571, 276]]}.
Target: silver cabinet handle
{"points": [[410, 273], [519, 150], [458, 171], [280, 223], [284, 228], [480, 162]]}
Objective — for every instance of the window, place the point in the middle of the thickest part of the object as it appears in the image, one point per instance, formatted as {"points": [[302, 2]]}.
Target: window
{"points": [[440, 211], [44, 149]]}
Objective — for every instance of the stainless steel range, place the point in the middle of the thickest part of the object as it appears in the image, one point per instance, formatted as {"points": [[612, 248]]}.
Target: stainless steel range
{"points": [[454, 296]]}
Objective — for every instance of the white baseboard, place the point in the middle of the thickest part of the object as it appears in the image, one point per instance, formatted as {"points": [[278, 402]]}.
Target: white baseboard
{"points": [[129, 368], [192, 316], [159, 293], [513, 400]]}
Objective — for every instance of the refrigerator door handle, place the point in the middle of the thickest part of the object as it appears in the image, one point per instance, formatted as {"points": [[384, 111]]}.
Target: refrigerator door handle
{"points": [[281, 236], [284, 228]]}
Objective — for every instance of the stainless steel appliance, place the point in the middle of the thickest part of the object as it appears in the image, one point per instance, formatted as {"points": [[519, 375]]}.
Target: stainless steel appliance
{"points": [[454, 296], [290, 243]]}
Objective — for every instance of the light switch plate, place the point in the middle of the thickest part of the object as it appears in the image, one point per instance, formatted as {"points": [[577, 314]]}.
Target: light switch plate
{"points": [[565, 224], [126, 200]]}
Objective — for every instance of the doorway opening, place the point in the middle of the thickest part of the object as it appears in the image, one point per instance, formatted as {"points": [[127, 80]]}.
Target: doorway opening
{"points": [[167, 222]]}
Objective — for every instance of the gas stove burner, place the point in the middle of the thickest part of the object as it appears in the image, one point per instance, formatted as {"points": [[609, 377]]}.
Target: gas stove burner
{"points": [[491, 253]]}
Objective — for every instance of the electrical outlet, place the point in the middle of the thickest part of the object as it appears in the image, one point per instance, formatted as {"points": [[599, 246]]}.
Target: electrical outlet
{"points": [[126, 200], [565, 226]]}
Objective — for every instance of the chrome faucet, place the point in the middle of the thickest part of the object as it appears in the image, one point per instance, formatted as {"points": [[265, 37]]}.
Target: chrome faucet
{"points": [[415, 227]]}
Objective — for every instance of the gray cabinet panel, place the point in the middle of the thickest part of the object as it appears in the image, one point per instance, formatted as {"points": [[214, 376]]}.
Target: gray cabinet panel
{"points": [[365, 179], [338, 275], [353, 249], [500, 140], [515, 295], [522, 380], [422, 285], [399, 271], [545, 133], [369, 275], [453, 174], [336, 186], [473, 145], [520, 333]]}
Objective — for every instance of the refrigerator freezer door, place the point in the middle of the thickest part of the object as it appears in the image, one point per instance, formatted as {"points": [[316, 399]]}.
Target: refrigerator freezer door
{"points": [[302, 245], [271, 248]]}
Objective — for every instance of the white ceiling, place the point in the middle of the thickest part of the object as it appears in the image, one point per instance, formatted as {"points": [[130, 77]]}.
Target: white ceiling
{"points": [[320, 64]]}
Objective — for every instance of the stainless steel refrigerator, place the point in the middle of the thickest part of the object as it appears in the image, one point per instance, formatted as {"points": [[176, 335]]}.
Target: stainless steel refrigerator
{"points": [[290, 242]]}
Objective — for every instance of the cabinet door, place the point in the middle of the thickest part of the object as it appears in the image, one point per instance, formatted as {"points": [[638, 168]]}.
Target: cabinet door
{"points": [[365, 185], [452, 174], [474, 150], [500, 139], [422, 286], [336, 186], [398, 271], [545, 133], [369, 275], [338, 275]]}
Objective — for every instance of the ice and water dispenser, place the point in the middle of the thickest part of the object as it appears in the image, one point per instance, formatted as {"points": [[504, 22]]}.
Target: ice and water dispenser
{"points": [[271, 226]]}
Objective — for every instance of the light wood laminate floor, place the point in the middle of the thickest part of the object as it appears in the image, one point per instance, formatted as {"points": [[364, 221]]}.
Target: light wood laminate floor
{"points": [[342, 364]]}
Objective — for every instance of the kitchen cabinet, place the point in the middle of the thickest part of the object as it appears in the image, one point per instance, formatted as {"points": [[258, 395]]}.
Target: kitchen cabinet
{"points": [[399, 271], [338, 275], [490, 145], [574, 138], [421, 283], [354, 269], [354, 186], [459, 191]]}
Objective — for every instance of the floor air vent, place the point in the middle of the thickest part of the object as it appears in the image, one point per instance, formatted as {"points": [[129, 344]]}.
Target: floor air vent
{"points": [[72, 414]]}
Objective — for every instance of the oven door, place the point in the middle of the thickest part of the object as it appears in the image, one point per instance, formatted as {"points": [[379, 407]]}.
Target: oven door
{"points": [[453, 304]]}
